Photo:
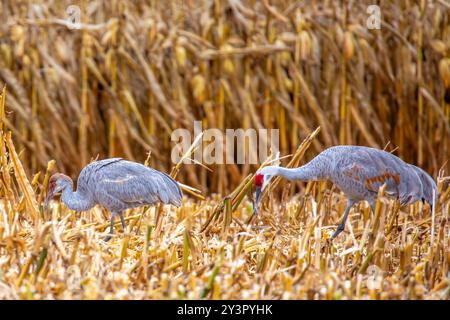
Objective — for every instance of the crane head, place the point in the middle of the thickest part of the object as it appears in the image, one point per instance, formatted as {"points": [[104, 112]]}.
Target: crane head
{"points": [[57, 182], [262, 179]]}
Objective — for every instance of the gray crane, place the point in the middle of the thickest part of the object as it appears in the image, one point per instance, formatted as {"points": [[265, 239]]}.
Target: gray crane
{"points": [[358, 172], [117, 185]]}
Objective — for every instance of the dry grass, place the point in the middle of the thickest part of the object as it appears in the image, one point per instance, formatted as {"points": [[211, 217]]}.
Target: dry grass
{"points": [[137, 70]]}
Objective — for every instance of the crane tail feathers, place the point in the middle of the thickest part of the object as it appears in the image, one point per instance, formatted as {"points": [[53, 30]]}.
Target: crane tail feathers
{"points": [[169, 191]]}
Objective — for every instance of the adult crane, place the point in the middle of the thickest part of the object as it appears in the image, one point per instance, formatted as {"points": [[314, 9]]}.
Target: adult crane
{"points": [[117, 185], [359, 172]]}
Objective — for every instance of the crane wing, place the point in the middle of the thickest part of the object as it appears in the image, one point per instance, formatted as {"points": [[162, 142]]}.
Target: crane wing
{"points": [[136, 184], [371, 171], [378, 167]]}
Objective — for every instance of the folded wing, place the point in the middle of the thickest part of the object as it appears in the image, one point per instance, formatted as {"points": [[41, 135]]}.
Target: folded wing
{"points": [[134, 184]]}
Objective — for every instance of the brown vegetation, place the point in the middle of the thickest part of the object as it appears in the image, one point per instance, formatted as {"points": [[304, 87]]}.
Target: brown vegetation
{"points": [[136, 70]]}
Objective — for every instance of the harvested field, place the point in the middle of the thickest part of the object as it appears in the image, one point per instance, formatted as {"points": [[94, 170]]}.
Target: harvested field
{"points": [[120, 82]]}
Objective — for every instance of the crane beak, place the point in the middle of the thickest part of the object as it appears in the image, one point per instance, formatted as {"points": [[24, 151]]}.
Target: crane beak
{"points": [[45, 205], [257, 198], [47, 201]]}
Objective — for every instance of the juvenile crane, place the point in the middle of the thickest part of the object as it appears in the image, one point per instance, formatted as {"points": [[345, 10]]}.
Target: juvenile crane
{"points": [[359, 172], [117, 185]]}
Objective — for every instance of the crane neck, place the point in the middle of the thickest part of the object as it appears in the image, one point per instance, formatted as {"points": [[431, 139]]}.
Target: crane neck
{"points": [[77, 200], [304, 173]]}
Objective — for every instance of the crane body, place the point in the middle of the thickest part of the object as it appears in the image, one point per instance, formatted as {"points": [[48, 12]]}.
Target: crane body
{"points": [[117, 185], [358, 172]]}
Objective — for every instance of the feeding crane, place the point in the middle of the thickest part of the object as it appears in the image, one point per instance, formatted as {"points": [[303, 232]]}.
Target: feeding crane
{"points": [[359, 172], [117, 185]]}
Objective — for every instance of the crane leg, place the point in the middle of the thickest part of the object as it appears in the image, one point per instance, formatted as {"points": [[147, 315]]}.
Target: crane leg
{"points": [[111, 227], [341, 226], [123, 221]]}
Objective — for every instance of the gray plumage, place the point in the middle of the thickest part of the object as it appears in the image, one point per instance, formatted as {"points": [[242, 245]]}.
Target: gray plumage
{"points": [[359, 172], [117, 185]]}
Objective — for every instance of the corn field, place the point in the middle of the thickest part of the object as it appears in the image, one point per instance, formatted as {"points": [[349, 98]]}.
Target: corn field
{"points": [[120, 81]]}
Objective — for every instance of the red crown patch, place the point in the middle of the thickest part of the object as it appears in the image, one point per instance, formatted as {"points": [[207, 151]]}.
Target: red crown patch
{"points": [[259, 179]]}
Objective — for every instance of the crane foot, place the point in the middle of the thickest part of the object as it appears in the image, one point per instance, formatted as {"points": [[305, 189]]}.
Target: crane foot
{"points": [[107, 238]]}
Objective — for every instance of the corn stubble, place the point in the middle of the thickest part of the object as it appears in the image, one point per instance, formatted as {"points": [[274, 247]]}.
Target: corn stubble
{"points": [[136, 71], [213, 249]]}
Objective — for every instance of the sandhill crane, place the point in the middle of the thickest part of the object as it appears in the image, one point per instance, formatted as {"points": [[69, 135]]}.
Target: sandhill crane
{"points": [[359, 172], [117, 185]]}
